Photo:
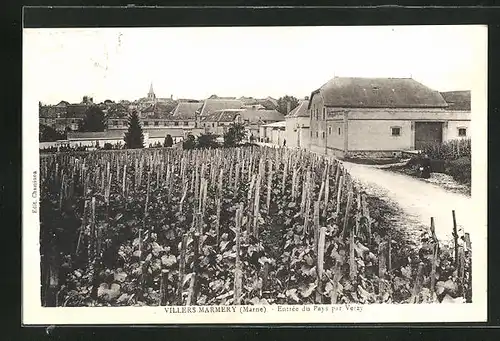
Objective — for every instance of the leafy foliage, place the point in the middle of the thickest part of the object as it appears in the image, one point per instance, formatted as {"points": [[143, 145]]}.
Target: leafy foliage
{"points": [[449, 150], [140, 250], [283, 104], [234, 135], [207, 140], [168, 141], [189, 142], [134, 137], [94, 120], [49, 134]]}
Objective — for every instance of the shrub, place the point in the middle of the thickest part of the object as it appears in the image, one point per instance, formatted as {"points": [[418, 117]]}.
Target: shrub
{"points": [[189, 142], [234, 135], [450, 150], [168, 141], [460, 169], [207, 141]]}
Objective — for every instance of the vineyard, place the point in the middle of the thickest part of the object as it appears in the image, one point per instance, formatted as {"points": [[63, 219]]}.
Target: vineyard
{"points": [[225, 226]]}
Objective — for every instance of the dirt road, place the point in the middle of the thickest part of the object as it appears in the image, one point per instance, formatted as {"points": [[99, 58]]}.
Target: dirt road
{"points": [[417, 200]]}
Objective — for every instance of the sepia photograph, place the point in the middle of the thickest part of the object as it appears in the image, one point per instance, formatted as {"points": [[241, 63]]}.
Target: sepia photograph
{"points": [[255, 172]]}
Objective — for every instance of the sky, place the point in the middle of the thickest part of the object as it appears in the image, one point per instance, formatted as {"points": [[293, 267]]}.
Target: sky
{"points": [[121, 63]]}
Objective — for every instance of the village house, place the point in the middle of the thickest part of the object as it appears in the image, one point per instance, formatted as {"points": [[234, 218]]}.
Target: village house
{"points": [[273, 133], [219, 121], [64, 116], [381, 117], [297, 125], [212, 105], [253, 119]]}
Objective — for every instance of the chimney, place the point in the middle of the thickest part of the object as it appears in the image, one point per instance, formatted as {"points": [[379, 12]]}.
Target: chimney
{"points": [[288, 106]]}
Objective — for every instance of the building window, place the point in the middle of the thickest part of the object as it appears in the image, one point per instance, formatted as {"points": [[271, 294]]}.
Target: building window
{"points": [[324, 114], [146, 123], [165, 123], [329, 130], [115, 123], [323, 134], [396, 131], [339, 130], [186, 123], [462, 132], [213, 125], [176, 123], [156, 123], [316, 134]]}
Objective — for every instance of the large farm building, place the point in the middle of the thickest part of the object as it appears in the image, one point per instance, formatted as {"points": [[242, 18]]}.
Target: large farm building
{"points": [[381, 116]]}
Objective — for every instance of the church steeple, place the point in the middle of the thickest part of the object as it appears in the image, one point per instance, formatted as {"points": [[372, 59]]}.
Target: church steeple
{"points": [[151, 93]]}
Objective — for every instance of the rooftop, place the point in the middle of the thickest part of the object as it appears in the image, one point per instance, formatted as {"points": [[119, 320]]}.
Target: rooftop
{"points": [[458, 100], [358, 92], [300, 110]]}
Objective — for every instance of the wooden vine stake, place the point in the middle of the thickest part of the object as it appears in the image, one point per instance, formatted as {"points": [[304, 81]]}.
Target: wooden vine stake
{"points": [[249, 200], [418, 284], [346, 215], [352, 259], [455, 238], [238, 271], [366, 214], [193, 286], [337, 275], [339, 196], [316, 226], [256, 208], [82, 228], [186, 186], [381, 267], [219, 205], [182, 268], [269, 185], [435, 247], [327, 193], [320, 265], [124, 180]]}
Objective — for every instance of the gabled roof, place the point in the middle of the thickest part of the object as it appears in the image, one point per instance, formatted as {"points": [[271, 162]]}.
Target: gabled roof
{"points": [[228, 115], [358, 92], [264, 115], [300, 110], [458, 100], [212, 105], [186, 110]]}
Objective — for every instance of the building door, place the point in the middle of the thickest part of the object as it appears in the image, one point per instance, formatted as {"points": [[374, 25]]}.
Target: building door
{"points": [[428, 133]]}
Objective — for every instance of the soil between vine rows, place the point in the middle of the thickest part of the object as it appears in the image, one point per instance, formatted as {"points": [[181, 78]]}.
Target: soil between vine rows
{"points": [[280, 264]]}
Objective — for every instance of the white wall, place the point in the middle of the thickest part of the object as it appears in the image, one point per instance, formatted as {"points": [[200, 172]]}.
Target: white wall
{"points": [[377, 135], [451, 132]]}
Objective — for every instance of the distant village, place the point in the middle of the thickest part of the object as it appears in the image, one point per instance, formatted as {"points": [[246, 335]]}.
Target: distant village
{"points": [[344, 116]]}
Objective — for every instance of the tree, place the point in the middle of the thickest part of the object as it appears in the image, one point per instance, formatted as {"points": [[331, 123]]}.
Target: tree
{"points": [[283, 104], [234, 135], [94, 120], [207, 140], [189, 142], [134, 138], [49, 134], [168, 141]]}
